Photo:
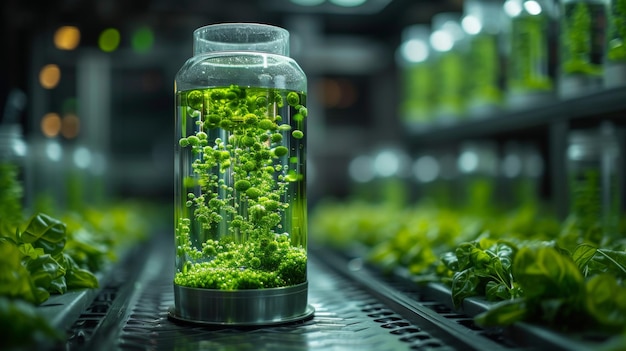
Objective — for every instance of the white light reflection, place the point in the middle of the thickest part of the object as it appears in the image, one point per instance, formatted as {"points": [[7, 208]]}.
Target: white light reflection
{"points": [[360, 169], [532, 7], [386, 163], [468, 162], [414, 51], [82, 157], [471, 24], [441, 41], [308, 2], [348, 3], [512, 166], [426, 169], [19, 147], [54, 151], [512, 8]]}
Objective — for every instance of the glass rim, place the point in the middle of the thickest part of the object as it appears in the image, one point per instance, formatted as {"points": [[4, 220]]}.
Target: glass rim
{"points": [[241, 36]]}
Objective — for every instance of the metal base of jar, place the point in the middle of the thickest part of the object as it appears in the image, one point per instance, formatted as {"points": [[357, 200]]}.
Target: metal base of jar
{"points": [[255, 307]]}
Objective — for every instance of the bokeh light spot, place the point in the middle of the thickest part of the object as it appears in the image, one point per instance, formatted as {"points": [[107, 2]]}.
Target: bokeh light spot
{"points": [[66, 38], [70, 126], [51, 124], [49, 76], [109, 40]]}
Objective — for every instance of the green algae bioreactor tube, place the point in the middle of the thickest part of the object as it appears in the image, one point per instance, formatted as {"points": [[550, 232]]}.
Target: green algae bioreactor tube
{"points": [[583, 25], [240, 179]]}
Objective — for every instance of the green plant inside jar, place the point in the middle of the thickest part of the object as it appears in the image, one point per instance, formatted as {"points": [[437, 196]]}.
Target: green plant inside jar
{"points": [[241, 215], [484, 57], [528, 69], [578, 39], [451, 87], [616, 50]]}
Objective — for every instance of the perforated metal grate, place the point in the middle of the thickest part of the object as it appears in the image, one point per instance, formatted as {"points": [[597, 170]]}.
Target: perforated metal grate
{"points": [[346, 318], [356, 308]]}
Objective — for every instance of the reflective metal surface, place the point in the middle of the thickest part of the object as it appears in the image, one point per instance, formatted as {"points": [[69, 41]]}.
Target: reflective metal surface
{"points": [[355, 309], [241, 307]]}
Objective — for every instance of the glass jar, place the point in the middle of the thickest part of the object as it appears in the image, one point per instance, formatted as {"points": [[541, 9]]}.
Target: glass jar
{"points": [[593, 165], [416, 77], [240, 179], [449, 56], [13, 152], [582, 43], [477, 165], [530, 77], [615, 62], [482, 21]]}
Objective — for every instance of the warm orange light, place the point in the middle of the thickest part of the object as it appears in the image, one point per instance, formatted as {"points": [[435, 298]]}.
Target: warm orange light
{"points": [[70, 126], [330, 92], [337, 93], [51, 124], [67, 38], [49, 76]]}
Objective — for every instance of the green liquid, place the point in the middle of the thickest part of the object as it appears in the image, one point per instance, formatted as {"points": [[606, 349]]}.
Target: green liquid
{"points": [[583, 38], [484, 86], [616, 45], [529, 57], [240, 190]]}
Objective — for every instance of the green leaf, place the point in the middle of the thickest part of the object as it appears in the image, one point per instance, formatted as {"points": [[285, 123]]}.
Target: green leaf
{"points": [[615, 261], [496, 291], [503, 313], [15, 280], [464, 284], [43, 270], [450, 260], [606, 301], [479, 258], [582, 255], [543, 272], [76, 277], [45, 232], [58, 286], [29, 251], [463, 252]]}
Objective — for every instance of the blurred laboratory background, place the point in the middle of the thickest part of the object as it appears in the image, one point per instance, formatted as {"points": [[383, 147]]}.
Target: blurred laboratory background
{"points": [[408, 99], [91, 83], [431, 124]]}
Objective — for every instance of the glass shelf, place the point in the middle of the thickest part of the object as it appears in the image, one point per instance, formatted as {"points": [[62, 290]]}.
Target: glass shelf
{"points": [[582, 110]]}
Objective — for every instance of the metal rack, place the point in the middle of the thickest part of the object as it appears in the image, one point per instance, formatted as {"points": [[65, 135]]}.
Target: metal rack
{"points": [[356, 308], [547, 122]]}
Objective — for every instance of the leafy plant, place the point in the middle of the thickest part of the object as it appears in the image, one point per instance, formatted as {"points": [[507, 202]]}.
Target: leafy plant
{"points": [[36, 255], [592, 260], [556, 293], [482, 267]]}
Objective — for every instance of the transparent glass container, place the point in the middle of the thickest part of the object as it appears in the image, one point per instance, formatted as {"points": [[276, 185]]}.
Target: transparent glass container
{"points": [[530, 73], [413, 58], [477, 164], [595, 183], [13, 157], [449, 56], [615, 56], [240, 205], [483, 22], [582, 42]]}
